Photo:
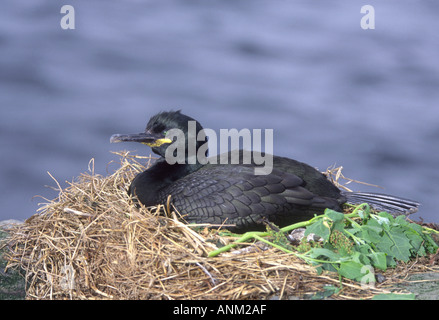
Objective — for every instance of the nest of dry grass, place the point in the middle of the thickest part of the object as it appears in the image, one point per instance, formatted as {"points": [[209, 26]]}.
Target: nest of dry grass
{"points": [[93, 242]]}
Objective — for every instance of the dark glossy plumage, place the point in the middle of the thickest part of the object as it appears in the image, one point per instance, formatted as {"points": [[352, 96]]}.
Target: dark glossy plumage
{"points": [[233, 194]]}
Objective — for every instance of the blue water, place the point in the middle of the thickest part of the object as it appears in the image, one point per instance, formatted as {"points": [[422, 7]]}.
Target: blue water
{"points": [[333, 92]]}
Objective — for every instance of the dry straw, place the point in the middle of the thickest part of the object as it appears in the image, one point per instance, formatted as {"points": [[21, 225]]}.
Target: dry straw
{"points": [[94, 242]]}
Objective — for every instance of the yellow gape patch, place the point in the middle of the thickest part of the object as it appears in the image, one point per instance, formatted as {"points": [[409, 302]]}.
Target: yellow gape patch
{"points": [[158, 142]]}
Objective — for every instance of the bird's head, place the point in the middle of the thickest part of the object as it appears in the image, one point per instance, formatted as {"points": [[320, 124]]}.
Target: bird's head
{"points": [[159, 133]]}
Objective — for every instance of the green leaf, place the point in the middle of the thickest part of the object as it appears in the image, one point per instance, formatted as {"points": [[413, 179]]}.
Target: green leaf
{"points": [[335, 216], [351, 270], [319, 228], [430, 245], [379, 260], [371, 233], [337, 219], [394, 296], [395, 244], [321, 253], [401, 220], [327, 292], [330, 220], [415, 239], [383, 218]]}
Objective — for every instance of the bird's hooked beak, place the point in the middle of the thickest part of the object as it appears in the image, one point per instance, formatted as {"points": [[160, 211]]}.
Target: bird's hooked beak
{"points": [[151, 140]]}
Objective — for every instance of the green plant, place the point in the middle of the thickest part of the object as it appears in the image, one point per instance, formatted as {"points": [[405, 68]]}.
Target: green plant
{"points": [[377, 240], [352, 244]]}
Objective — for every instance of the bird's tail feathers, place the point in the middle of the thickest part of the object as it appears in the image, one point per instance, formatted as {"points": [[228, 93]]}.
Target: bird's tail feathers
{"points": [[383, 202]]}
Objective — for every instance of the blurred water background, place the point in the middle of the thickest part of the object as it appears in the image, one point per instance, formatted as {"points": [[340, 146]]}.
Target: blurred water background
{"points": [[333, 92]]}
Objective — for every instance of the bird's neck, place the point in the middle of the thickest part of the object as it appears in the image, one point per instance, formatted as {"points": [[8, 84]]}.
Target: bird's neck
{"points": [[149, 184], [176, 171]]}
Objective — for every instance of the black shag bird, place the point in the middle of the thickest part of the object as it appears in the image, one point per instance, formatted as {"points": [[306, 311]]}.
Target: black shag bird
{"points": [[231, 193]]}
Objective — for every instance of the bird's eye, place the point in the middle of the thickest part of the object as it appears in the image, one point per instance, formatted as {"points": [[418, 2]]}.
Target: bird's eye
{"points": [[165, 132]]}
